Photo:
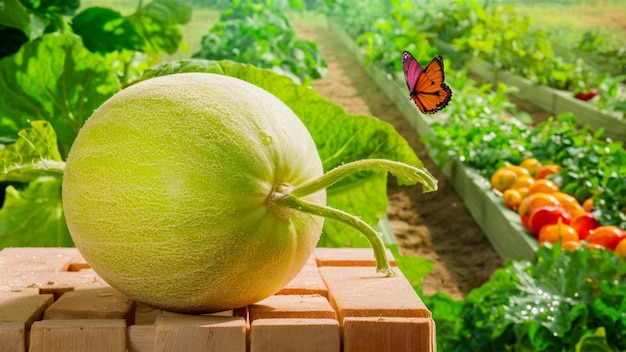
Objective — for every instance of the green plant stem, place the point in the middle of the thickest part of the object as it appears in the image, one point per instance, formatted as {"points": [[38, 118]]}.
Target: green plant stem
{"points": [[282, 197], [401, 170]]}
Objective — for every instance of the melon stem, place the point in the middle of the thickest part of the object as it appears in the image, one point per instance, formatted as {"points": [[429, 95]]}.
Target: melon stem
{"points": [[382, 262], [290, 197], [405, 172]]}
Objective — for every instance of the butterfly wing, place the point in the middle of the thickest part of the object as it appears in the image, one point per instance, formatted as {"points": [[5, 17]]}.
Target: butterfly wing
{"points": [[412, 70], [431, 94]]}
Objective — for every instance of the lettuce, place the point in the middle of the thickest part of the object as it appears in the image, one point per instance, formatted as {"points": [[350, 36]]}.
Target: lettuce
{"points": [[564, 301]]}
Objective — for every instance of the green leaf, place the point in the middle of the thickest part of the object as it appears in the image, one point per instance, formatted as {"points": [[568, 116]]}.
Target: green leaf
{"points": [[53, 78], [339, 137], [33, 216], [14, 14], [548, 305], [34, 154], [105, 30], [156, 23]]}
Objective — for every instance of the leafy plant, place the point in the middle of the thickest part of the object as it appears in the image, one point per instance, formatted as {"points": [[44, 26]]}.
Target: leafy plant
{"points": [[257, 35], [563, 301]]}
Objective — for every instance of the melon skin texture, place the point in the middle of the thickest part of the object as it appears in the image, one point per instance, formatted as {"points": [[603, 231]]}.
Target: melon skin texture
{"points": [[165, 192]]}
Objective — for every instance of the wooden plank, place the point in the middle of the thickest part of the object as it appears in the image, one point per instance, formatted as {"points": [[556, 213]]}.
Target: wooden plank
{"points": [[18, 261], [94, 335], [361, 292], [78, 263], [200, 333], [18, 311], [141, 338], [288, 335], [348, 257], [96, 303], [308, 281], [292, 306], [50, 282], [383, 334]]}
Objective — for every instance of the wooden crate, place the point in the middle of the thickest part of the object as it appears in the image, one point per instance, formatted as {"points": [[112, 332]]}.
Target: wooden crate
{"points": [[51, 300]]}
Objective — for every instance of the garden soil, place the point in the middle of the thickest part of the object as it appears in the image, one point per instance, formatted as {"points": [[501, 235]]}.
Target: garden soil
{"points": [[435, 225]]}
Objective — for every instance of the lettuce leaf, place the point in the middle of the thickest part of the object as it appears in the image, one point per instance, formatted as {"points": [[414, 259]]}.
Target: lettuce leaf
{"points": [[339, 137], [562, 301], [33, 155], [53, 78], [33, 215]]}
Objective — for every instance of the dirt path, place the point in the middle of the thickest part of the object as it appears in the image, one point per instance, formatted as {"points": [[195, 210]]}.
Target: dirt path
{"points": [[435, 225]]}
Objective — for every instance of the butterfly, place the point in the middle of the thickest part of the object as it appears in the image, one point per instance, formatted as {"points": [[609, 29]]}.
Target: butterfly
{"points": [[426, 86]]}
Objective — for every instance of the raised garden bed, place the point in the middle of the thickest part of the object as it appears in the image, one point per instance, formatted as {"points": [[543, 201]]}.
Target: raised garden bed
{"points": [[552, 100], [500, 225]]}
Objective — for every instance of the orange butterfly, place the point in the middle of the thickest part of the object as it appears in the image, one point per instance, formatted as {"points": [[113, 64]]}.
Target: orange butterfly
{"points": [[426, 87]]}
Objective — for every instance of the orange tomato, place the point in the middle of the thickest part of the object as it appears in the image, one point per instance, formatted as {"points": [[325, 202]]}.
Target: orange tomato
{"points": [[620, 249], [512, 198], [543, 186], [503, 179], [523, 191], [607, 236], [546, 170], [571, 245], [570, 203], [532, 165], [588, 204], [557, 232], [533, 201], [517, 169], [523, 181]]}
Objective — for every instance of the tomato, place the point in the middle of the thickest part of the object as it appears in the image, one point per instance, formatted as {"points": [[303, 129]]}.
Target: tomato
{"points": [[533, 201], [512, 198], [588, 95], [517, 169], [547, 215], [556, 232], [588, 204], [607, 236], [583, 224], [503, 179], [543, 186], [547, 169], [571, 245], [620, 249], [523, 181], [532, 165]]}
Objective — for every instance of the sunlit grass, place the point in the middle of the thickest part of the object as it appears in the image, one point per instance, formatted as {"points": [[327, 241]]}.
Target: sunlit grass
{"points": [[568, 23]]}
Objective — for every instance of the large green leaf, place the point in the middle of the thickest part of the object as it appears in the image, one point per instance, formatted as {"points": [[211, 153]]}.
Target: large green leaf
{"points": [[13, 14], [33, 155], [339, 137], [105, 30], [53, 78], [33, 216], [156, 23]]}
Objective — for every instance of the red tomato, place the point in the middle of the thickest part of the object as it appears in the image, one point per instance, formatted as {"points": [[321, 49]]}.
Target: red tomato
{"points": [[583, 224], [547, 215], [608, 236]]}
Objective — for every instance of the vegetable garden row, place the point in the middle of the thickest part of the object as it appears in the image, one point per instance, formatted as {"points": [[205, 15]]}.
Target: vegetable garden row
{"points": [[57, 71]]}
